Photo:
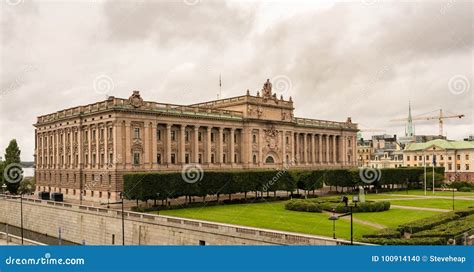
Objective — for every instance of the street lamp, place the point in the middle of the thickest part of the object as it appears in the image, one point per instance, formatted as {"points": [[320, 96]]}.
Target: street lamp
{"points": [[21, 217], [334, 217], [123, 216], [4, 188]]}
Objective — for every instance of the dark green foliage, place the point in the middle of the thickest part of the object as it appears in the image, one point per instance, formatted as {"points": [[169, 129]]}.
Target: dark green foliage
{"points": [[464, 189], [376, 206], [449, 229], [428, 223], [460, 184], [306, 205], [303, 205], [384, 233], [12, 156], [401, 241]]}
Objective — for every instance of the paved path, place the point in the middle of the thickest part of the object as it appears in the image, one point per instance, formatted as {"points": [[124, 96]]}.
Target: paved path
{"points": [[407, 197], [419, 208]]}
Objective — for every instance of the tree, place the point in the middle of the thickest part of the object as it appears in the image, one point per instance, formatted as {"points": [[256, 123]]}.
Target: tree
{"points": [[13, 174]]}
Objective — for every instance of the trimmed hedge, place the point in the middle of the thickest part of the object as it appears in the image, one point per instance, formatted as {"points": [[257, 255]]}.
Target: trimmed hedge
{"points": [[318, 205], [401, 241], [303, 206], [427, 223], [450, 229], [384, 233]]}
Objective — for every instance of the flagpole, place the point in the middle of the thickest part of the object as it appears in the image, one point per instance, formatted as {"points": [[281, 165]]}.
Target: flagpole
{"points": [[424, 162], [434, 161]]}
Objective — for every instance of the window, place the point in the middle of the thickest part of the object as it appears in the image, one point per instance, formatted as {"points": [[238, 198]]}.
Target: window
{"points": [[173, 135], [110, 133], [467, 157], [110, 179], [173, 158], [93, 134], [254, 138], [186, 158], [136, 133], [212, 137], [212, 158], [254, 159], [235, 158], [441, 157], [458, 157], [449, 158], [200, 158], [93, 159], [287, 141], [224, 138], [186, 136], [101, 134], [136, 158], [450, 166], [158, 135], [458, 166], [270, 160], [111, 158], [199, 136], [408, 158], [467, 166], [158, 158], [224, 158]]}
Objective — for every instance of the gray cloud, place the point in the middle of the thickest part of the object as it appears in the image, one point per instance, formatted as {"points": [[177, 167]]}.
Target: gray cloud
{"points": [[343, 59]]}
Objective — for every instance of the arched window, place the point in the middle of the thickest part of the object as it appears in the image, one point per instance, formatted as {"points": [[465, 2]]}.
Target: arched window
{"points": [[254, 159], [269, 160]]}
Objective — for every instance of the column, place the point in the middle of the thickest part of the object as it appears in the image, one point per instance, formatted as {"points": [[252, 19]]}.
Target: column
{"points": [[97, 147], [208, 145], [232, 145], [260, 147], [196, 144], [283, 141], [297, 148], [71, 148], [220, 145], [128, 148], [305, 148], [320, 148], [146, 145], [245, 146], [327, 149], [334, 153], [89, 146], [106, 146], [292, 142], [182, 144], [344, 150], [313, 149], [168, 144], [339, 151], [154, 143]]}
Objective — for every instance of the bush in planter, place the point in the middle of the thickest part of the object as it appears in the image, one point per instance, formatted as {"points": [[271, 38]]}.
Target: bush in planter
{"points": [[377, 206], [303, 206]]}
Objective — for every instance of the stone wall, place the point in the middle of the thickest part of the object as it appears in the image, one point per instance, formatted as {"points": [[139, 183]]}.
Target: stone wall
{"points": [[101, 226]]}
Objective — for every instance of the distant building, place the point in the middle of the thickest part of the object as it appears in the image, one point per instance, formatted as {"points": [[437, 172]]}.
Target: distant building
{"points": [[457, 157], [382, 151]]}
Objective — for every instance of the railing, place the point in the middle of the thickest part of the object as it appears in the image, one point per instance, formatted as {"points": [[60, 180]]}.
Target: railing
{"points": [[269, 236], [324, 123]]}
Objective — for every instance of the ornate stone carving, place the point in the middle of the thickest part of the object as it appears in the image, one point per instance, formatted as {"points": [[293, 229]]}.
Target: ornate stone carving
{"points": [[135, 99], [271, 138]]}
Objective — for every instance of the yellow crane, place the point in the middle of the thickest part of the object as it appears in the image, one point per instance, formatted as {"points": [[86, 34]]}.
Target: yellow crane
{"points": [[439, 117]]}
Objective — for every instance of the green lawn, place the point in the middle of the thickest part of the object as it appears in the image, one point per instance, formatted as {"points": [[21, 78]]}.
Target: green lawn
{"points": [[438, 203], [430, 193], [272, 215], [382, 196], [394, 217]]}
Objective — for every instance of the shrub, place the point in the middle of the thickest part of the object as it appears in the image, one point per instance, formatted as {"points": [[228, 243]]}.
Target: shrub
{"points": [[376, 206], [449, 229], [303, 206], [465, 212], [464, 189], [401, 241], [428, 223], [384, 233]]}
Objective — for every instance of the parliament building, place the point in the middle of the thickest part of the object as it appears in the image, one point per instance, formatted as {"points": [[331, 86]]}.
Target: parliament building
{"points": [[83, 152]]}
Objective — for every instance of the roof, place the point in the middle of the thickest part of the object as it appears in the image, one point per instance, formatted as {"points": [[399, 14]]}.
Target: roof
{"points": [[444, 144]]}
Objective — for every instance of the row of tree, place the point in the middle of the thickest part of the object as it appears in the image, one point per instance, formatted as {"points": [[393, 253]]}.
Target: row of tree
{"points": [[163, 186]]}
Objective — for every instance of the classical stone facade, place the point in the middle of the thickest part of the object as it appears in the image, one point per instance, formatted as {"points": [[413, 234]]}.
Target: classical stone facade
{"points": [[84, 151]]}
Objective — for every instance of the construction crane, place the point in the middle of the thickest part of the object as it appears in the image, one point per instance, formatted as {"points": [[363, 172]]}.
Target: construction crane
{"points": [[439, 117]]}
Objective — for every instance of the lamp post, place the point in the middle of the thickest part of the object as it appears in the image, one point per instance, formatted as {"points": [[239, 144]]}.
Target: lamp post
{"points": [[21, 217], [4, 188], [123, 216], [334, 217]]}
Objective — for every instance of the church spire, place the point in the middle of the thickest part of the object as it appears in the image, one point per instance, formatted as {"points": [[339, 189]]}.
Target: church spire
{"points": [[409, 129]]}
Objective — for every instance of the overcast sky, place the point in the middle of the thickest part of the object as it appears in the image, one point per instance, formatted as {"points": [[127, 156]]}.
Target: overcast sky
{"points": [[364, 59]]}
